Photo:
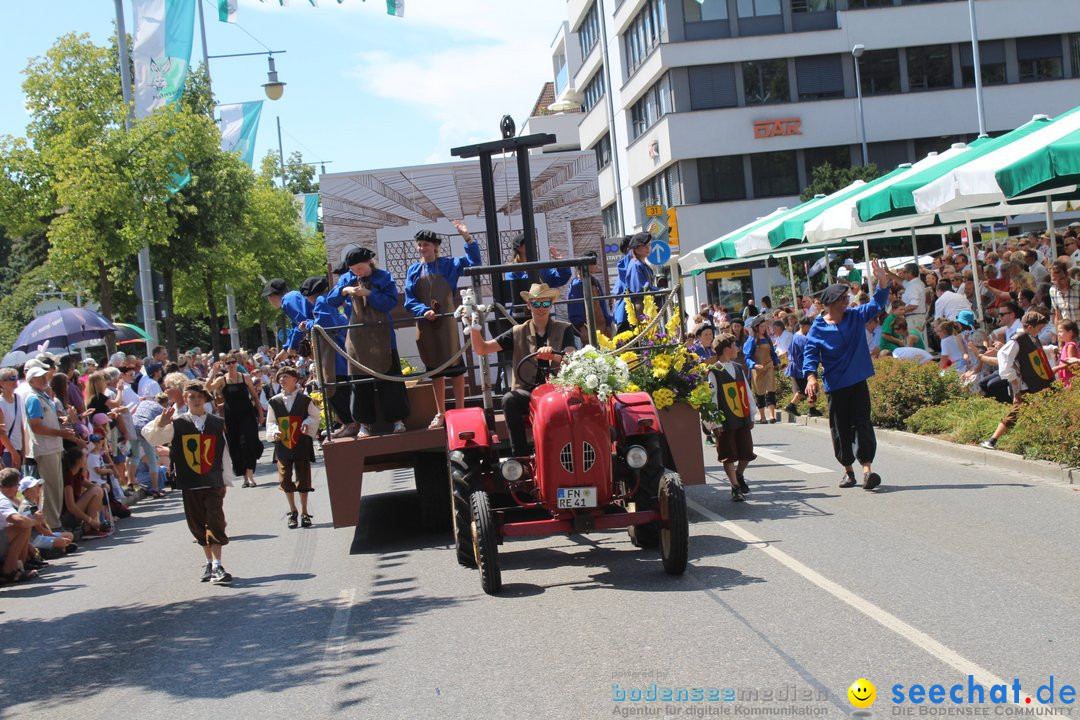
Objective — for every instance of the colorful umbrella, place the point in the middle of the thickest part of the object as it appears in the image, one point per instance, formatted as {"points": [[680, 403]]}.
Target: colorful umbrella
{"points": [[61, 328], [127, 333]]}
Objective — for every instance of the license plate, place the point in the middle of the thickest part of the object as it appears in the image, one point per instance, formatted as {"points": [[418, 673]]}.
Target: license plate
{"points": [[576, 497]]}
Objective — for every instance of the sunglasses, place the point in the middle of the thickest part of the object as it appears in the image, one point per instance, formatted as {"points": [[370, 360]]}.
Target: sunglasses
{"points": [[230, 362], [541, 303]]}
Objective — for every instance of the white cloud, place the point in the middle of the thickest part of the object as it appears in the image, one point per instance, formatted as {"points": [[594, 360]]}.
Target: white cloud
{"points": [[466, 89]]}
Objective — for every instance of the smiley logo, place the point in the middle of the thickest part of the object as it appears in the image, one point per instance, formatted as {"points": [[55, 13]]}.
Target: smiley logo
{"points": [[862, 693]]}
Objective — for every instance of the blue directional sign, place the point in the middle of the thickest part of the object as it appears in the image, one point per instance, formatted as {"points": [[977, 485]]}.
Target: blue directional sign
{"points": [[660, 252]]}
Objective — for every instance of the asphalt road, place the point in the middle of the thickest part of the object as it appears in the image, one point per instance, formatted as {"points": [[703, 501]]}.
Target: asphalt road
{"points": [[945, 571]]}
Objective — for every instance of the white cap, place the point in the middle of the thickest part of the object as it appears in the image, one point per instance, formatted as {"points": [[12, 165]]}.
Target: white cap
{"points": [[849, 262], [36, 372], [29, 482]]}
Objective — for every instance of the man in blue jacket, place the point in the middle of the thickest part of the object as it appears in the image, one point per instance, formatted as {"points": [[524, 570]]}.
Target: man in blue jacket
{"points": [[295, 307], [575, 311], [837, 343]]}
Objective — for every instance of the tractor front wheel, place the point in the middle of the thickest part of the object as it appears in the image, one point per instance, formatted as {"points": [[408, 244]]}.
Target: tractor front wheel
{"points": [[485, 541], [674, 525], [464, 477]]}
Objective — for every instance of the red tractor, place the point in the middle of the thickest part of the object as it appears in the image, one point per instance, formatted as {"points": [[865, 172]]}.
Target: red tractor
{"points": [[597, 466]]}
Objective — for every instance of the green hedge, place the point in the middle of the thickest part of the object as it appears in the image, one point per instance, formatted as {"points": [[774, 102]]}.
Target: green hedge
{"points": [[968, 421], [900, 388]]}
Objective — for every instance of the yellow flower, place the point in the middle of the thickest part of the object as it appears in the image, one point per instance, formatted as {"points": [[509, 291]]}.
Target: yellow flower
{"points": [[663, 398], [673, 325], [628, 357], [649, 306], [604, 341], [700, 395], [624, 337], [631, 387], [631, 313]]}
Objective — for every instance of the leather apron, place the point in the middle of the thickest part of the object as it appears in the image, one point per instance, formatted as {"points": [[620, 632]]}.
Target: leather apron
{"points": [[437, 340], [328, 363], [370, 344], [764, 373]]}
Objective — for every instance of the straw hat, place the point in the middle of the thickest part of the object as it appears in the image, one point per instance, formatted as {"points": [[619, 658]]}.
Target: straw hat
{"points": [[540, 291]]}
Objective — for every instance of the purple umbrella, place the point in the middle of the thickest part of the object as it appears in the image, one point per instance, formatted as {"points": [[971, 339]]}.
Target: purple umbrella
{"points": [[61, 328]]}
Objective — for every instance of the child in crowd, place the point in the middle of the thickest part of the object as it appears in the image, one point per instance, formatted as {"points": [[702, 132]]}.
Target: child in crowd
{"points": [[1069, 355], [291, 422], [1023, 363], [731, 391], [762, 361], [41, 537], [704, 334], [82, 500]]}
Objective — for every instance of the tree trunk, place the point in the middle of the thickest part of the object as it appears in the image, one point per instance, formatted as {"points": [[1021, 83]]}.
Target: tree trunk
{"points": [[170, 317], [106, 305], [262, 329], [215, 326]]}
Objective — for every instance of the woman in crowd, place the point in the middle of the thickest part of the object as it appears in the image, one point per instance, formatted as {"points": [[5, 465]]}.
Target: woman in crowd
{"points": [[372, 294], [242, 413], [431, 293], [762, 361]]}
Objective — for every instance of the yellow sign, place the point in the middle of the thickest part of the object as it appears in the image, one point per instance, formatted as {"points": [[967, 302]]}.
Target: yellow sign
{"points": [[654, 210], [673, 229], [726, 274]]}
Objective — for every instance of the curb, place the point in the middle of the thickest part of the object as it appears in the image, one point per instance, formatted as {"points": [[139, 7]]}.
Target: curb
{"points": [[1043, 469]]}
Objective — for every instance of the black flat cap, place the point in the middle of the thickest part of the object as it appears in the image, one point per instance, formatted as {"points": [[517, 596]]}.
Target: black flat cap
{"points": [[277, 286], [427, 236], [639, 239], [314, 285], [357, 256], [834, 292], [341, 269]]}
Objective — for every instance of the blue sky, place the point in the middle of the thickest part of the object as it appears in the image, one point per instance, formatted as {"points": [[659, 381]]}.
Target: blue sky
{"points": [[364, 89]]}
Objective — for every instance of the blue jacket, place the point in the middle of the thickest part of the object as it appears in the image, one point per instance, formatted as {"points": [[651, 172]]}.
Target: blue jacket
{"points": [[620, 267], [297, 309], [383, 297], [639, 278], [750, 346], [841, 349], [449, 267], [554, 277], [795, 357], [576, 311], [327, 316]]}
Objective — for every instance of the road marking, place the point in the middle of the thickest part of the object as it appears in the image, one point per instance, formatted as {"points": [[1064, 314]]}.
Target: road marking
{"points": [[339, 625], [913, 635], [793, 464]]}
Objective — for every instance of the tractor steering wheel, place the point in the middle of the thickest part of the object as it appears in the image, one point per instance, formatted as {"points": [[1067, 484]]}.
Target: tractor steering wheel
{"points": [[541, 373]]}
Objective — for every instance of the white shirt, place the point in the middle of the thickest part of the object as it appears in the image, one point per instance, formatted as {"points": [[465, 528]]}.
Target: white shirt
{"points": [[14, 418], [93, 462], [912, 353], [148, 387], [915, 294], [7, 509], [1074, 259], [158, 434], [310, 426], [1040, 273], [952, 348], [949, 304], [783, 342]]}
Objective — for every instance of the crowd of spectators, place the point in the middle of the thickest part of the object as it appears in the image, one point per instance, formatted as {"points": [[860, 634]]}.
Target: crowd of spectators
{"points": [[73, 456]]}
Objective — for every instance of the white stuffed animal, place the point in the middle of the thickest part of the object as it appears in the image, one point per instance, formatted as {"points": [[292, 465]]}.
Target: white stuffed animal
{"points": [[469, 311]]}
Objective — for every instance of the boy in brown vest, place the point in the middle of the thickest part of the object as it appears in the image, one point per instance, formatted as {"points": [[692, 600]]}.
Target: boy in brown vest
{"points": [[292, 420]]}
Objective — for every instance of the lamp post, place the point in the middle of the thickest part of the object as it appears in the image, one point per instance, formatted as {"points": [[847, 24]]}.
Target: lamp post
{"points": [[978, 69], [856, 53]]}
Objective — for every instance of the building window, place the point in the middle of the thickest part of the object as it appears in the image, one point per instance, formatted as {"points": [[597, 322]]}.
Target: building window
{"points": [[610, 216], [888, 155], [603, 152], [1040, 58], [766, 82], [930, 67], [1074, 44], [880, 71], [712, 86], [819, 77], [644, 33], [562, 73], [664, 188], [810, 6], [775, 174], [857, 4], [809, 15], [991, 58], [758, 8], [925, 146], [589, 32], [704, 10], [653, 105], [838, 156], [721, 178], [594, 90]]}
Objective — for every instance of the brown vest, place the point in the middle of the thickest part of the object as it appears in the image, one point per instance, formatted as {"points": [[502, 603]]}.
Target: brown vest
{"points": [[525, 344]]}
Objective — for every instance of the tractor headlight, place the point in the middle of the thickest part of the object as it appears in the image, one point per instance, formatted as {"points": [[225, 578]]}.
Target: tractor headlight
{"points": [[511, 470], [636, 457]]}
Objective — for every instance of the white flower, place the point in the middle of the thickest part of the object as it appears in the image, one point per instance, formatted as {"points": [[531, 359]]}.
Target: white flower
{"points": [[591, 381], [604, 389]]}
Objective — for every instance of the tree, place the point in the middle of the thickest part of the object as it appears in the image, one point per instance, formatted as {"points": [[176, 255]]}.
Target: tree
{"points": [[299, 176], [826, 179]]}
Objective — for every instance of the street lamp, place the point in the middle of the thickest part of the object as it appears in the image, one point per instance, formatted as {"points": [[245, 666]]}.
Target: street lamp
{"points": [[273, 87], [856, 52]]}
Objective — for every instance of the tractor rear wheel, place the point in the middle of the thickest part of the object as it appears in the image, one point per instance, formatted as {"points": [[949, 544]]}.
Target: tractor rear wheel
{"points": [[485, 541], [432, 483], [674, 525], [464, 477]]}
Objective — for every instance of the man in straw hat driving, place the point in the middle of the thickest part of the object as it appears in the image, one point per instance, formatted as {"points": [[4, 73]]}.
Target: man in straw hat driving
{"points": [[541, 334]]}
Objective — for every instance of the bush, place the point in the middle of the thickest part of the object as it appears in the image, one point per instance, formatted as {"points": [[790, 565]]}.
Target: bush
{"points": [[1048, 427], [968, 420], [901, 387]]}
